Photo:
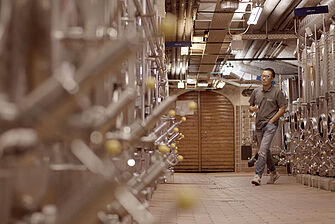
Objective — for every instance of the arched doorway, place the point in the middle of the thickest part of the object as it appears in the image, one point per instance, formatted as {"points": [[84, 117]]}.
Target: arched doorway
{"points": [[209, 134]]}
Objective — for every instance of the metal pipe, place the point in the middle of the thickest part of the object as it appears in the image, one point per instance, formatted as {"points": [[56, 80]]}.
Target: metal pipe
{"points": [[160, 138], [299, 71], [140, 128], [51, 90], [146, 27], [172, 138], [317, 65], [113, 109], [317, 20], [160, 127]]}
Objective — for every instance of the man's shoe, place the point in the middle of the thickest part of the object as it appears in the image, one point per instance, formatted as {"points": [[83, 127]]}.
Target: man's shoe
{"points": [[256, 180], [274, 176], [251, 162]]}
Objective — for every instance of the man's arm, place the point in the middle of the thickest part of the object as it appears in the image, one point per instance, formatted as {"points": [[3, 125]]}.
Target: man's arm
{"points": [[280, 112]]}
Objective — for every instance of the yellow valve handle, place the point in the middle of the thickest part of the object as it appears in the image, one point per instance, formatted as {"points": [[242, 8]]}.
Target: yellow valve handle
{"points": [[150, 83], [192, 105], [176, 130], [172, 113], [163, 149], [169, 24], [113, 146], [186, 198], [180, 158]]}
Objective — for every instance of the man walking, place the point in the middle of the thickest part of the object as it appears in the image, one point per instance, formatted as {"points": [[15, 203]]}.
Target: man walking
{"points": [[269, 103]]}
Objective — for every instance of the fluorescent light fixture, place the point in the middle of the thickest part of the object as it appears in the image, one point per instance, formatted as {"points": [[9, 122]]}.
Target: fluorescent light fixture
{"points": [[191, 81], [226, 70], [202, 84], [184, 51], [254, 16], [181, 85], [220, 85]]}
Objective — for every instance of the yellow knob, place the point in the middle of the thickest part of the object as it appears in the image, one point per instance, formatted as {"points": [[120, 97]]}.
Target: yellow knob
{"points": [[301, 140], [298, 158], [324, 153], [291, 160], [306, 157], [186, 198], [309, 132], [176, 151], [176, 130], [172, 113], [176, 147], [180, 158], [290, 132], [151, 81], [192, 105], [169, 24], [113, 146], [163, 149], [294, 142], [183, 118], [173, 145]]}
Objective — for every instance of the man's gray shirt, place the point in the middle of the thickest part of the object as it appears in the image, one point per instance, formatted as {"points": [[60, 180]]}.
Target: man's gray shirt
{"points": [[268, 102]]}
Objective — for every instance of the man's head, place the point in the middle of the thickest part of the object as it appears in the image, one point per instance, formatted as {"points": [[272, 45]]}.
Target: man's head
{"points": [[272, 72], [267, 76]]}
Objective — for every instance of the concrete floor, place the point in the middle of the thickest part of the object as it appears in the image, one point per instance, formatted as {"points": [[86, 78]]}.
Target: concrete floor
{"points": [[231, 198]]}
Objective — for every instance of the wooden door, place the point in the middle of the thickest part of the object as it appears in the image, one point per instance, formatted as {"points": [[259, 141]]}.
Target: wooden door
{"points": [[209, 134], [216, 132]]}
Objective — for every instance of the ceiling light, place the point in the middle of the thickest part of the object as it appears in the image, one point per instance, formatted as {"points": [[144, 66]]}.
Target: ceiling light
{"points": [[131, 162], [226, 69], [191, 81], [220, 85], [181, 85], [205, 37], [184, 51], [202, 84], [254, 16]]}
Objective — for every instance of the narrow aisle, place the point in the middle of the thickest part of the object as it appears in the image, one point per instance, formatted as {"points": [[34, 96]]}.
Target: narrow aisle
{"points": [[230, 198]]}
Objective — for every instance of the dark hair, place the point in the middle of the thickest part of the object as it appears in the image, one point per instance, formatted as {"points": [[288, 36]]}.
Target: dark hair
{"points": [[272, 71]]}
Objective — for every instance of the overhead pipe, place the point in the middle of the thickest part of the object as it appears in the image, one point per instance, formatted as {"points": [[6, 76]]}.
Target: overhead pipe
{"points": [[180, 35], [317, 19], [174, 50], [187, 35], [152, 42], [271, 8], [267, 9], [301, 4]]}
